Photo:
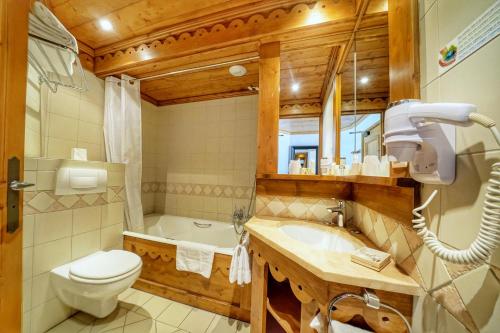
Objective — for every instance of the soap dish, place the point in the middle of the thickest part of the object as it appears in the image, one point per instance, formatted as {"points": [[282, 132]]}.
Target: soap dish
{"points": [[371, 258]]}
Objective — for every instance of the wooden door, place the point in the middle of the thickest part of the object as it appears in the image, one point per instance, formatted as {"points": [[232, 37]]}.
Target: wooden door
{"points": [[13, 63]]}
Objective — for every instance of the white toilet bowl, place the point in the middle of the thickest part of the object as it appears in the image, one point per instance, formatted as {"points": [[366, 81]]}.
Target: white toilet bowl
{"points": [[92, 284]]}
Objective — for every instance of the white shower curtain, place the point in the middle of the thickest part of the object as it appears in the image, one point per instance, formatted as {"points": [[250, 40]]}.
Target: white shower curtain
{"points": [[123, 140]]}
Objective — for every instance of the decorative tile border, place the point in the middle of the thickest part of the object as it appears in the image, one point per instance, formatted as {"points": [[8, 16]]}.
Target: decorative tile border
{"points": [[210, 190], [314, 209], [154, 187], [46, 201]]}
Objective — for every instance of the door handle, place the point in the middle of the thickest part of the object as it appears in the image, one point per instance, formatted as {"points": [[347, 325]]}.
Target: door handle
{"points": [[16, 185]]}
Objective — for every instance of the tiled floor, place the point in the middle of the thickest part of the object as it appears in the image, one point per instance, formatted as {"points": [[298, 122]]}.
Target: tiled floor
{"points": [[140, 312]]}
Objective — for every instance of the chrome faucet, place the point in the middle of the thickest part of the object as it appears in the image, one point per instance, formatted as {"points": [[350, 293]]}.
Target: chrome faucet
{"points": [[340, 210]]}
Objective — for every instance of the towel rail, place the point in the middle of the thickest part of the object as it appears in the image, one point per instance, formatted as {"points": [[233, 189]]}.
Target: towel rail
{"points": [[45, 76], [370, 299]]}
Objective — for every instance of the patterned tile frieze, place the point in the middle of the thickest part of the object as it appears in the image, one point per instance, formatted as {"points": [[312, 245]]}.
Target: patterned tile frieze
{"points": [[46, 201], [209, 190], [314, 209], [154, 187]]}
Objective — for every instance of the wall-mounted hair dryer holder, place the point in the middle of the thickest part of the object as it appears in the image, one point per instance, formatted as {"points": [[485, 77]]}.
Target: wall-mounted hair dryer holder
{"points": [[424, 135]]}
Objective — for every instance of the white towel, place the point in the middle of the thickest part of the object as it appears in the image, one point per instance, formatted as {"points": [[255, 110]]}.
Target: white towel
{"points": [[195, 258], [240, 264], [335, 326]]}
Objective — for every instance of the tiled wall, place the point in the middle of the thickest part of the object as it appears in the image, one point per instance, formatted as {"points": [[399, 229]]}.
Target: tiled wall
{"points": [[302, 208], [33, 126], [205, 157], [68, 119], [59, 229], [154, 162], [469, 294]]}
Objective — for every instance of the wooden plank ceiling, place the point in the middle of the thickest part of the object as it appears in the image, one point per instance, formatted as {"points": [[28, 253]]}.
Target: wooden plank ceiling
{"points": [[150, 37]]}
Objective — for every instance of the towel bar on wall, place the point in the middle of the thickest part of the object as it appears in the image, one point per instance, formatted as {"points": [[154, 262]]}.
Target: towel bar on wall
{"points": [[370, 299]]}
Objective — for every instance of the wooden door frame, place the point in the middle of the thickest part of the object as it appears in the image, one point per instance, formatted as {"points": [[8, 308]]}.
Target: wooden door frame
{"points": [[13, 70]]}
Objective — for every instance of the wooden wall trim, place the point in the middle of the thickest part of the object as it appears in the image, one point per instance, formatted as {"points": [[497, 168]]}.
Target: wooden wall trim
{"points": [[300, 110], [404, 71], [269, 108], [337, 112], [365, 104], [254, 28], [206, 97]]}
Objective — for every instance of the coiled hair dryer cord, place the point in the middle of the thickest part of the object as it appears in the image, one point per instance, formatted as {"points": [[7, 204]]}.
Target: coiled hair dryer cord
{"points": [[489, 231]]}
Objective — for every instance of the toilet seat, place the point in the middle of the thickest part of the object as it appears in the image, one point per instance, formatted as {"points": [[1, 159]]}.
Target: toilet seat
{"points": [[105, 267]]}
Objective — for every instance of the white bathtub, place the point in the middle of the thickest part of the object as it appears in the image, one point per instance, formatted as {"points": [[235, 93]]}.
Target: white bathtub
{"points": [[170, 229]]}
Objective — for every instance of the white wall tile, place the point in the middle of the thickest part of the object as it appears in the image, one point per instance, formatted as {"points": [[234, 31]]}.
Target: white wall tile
{"points": [[85, 244], [47, 315], [42, 289], [86, 219], [112, 213], [479, 290], [50, 255], [52, 226]]}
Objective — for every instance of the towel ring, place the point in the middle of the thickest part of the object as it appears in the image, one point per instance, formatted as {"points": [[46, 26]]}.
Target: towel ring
{"points": [[370, 299]]}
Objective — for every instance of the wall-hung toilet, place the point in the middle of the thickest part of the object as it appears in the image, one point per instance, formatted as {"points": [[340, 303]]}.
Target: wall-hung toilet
{"points": [[92, 284]]}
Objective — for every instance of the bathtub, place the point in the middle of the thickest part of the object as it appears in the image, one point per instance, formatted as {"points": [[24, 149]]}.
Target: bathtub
{"points": [[157, 248]]}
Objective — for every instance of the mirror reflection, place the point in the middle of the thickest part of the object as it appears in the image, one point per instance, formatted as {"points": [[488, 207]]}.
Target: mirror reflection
{"points": [[298, 146]]}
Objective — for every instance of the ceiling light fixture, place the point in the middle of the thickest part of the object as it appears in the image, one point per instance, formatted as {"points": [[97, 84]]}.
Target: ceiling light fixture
{"points": [[364, 80], [105, 25], [295, 87], [237, 70]]}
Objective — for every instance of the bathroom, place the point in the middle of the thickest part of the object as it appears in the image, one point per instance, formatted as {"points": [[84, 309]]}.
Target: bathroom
{"points": [[250, 166]]}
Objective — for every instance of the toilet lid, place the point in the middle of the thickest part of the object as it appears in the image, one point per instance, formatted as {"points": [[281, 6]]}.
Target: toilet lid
{"points": [[105, 265]]}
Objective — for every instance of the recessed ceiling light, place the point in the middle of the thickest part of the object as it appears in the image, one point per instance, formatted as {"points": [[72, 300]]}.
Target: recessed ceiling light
{"points": [[105, 25], [237, 70], [364, 80], [295, 87]]}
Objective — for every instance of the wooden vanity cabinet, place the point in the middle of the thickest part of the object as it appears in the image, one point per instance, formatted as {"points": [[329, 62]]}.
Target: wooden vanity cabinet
{"points": [[286, 297]]}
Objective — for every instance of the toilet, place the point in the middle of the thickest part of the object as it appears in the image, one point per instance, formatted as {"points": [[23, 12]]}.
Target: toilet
{"points": [[92, 283]]}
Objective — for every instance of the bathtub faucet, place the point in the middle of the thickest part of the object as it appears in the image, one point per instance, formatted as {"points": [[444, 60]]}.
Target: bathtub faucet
{"points": [[239, 215]]}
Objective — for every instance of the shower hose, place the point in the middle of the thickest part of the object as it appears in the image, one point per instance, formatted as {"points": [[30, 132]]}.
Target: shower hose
{"points": [[489, 231]]}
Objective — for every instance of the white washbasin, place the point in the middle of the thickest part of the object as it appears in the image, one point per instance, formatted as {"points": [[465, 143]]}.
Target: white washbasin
{"points": [[320, 239]]}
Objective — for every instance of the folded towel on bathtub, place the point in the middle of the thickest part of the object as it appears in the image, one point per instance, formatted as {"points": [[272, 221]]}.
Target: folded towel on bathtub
{"points": [[195, 258], [240, 263]]}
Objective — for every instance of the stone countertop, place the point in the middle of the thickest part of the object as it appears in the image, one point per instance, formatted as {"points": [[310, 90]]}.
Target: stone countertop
{"points": [[328, 265]]}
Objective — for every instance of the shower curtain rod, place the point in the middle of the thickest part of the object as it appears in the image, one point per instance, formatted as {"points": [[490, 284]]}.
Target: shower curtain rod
{"points": [[195, 69]]}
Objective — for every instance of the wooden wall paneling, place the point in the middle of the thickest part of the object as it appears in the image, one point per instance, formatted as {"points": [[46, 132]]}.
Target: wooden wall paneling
{"points": [[13, 74], [304, 188], [269, 108], [159, 276], [403, 50], [337, 112], [383, 199]]}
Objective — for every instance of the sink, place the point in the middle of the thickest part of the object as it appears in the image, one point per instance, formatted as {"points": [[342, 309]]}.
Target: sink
{"points": [[320, 239]]}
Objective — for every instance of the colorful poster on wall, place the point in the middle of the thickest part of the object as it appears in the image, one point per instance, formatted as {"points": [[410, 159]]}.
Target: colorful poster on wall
{"points": [[480, 32]]}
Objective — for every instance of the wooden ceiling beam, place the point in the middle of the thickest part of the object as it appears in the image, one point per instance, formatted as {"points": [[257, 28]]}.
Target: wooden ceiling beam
{"points": [[255, 28], [192, 99]]}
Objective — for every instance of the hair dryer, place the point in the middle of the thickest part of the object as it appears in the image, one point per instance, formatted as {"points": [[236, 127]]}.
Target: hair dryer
{"points": [[423, 134]]}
